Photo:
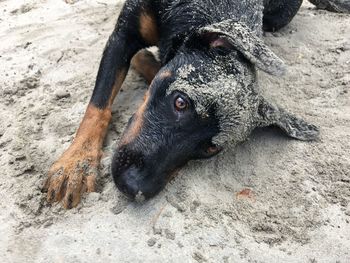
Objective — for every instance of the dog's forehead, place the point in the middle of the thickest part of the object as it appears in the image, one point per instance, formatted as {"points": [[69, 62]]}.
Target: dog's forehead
{"points": [[233, 97], [209, 84], [205, 92]]}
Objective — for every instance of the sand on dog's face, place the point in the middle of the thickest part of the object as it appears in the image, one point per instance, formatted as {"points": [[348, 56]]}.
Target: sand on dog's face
{"points": [[272, 199]]}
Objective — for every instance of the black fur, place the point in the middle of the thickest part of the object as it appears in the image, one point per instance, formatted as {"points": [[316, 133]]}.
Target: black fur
{"points": [[176, 20], [168, 138], [278, 14]]}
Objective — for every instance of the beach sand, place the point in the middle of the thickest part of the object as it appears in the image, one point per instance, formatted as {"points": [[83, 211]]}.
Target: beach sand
{"points": [[271, 199]]}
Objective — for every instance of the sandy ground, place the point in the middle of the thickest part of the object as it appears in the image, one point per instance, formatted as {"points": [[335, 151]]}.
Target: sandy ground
{"points": [[272, 199]]}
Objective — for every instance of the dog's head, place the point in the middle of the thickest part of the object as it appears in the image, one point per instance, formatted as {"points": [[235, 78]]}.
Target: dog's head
{"points": [[203, 98]]}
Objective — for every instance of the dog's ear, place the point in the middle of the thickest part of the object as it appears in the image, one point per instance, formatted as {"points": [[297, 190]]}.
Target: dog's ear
{"points": [[233, 34], [293, 126]]}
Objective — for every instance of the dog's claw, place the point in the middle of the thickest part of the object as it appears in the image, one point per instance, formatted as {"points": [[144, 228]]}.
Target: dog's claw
{"points": [[69, 178]]}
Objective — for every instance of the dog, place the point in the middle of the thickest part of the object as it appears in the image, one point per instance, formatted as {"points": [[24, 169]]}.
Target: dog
{"points": [[203, 92]]}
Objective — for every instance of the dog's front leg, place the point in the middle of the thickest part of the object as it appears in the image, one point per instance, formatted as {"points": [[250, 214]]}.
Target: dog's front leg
{"points": [[75, 171]]}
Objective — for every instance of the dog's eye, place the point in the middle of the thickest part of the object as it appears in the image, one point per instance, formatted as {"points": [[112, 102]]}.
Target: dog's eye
{"points": [[180, 104]]}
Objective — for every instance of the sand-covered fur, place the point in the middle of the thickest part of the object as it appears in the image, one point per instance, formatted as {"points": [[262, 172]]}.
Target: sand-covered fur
{"points": [[229, 85]]}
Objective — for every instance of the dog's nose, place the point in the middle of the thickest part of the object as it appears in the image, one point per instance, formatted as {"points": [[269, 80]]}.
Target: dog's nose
{"points": [[126, 171], [129, 182], [137, 178]]}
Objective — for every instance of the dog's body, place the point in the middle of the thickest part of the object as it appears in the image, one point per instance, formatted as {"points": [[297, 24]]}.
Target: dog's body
{"points": [[203, 91]]}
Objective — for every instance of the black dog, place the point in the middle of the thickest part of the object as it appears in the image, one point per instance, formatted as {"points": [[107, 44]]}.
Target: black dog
{"points": [[202, 94]]}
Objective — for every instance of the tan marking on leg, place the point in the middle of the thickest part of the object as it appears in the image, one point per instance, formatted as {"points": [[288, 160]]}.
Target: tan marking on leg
{"points": [[136, 125], [146, 65], [148, 28], [119, 79], [92, 130], [75, 172]]}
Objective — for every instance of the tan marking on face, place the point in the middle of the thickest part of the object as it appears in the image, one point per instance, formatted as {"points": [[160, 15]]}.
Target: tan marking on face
{"points": [[165, 74], [148, 28], [119, 79], [136, 125]]}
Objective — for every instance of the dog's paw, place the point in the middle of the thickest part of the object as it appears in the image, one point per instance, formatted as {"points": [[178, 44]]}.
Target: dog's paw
{"points": [[72, 175]]}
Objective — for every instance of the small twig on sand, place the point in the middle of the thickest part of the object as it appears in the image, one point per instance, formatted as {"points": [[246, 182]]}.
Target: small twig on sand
{"points": [[102, 3], [156, 217], [60, 58]]}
